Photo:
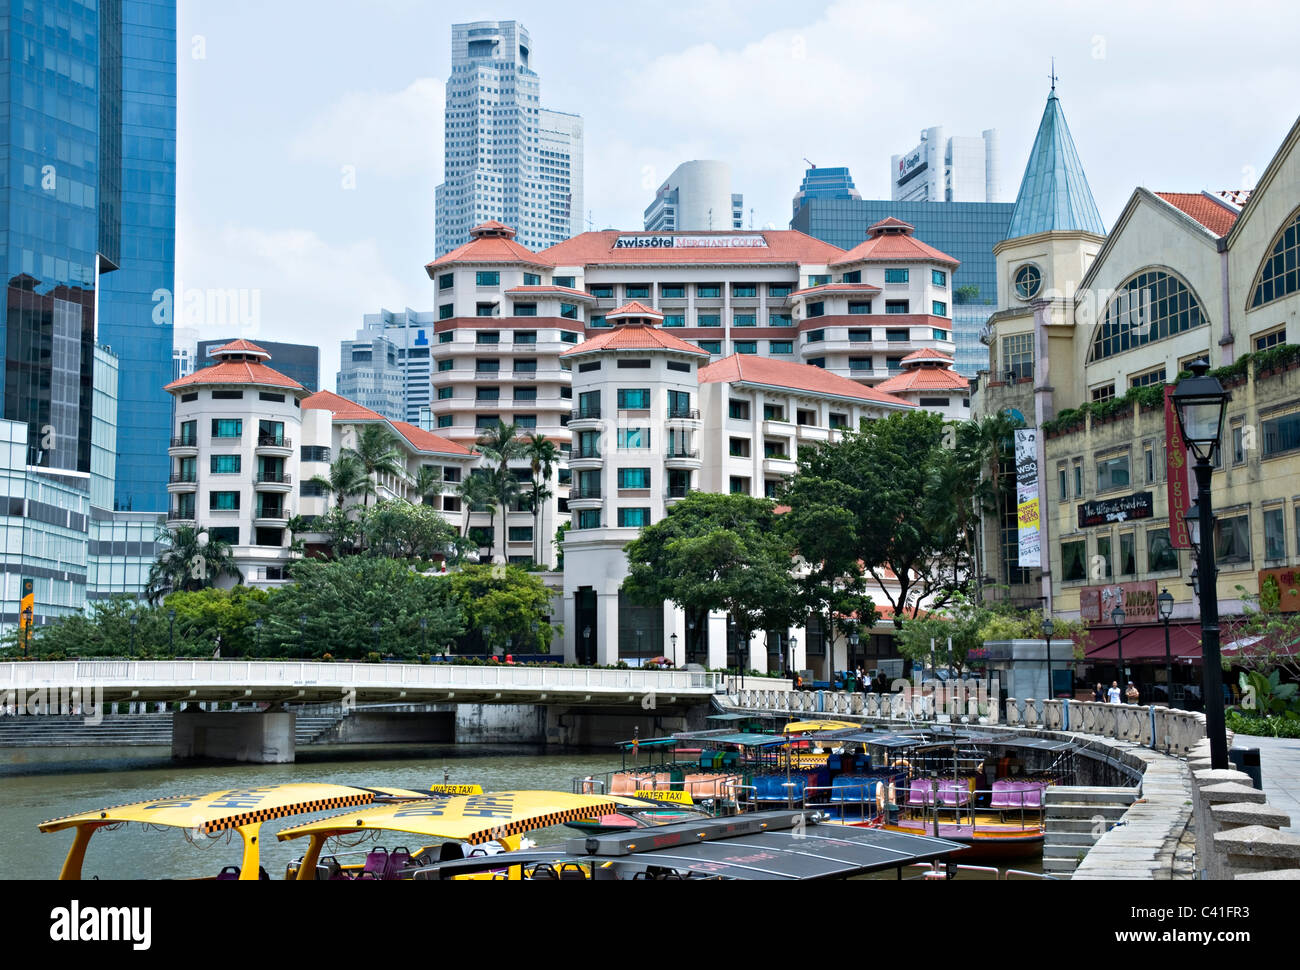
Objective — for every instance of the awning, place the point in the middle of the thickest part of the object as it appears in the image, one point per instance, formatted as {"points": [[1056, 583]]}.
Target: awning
{"points": [[1145, 643]]}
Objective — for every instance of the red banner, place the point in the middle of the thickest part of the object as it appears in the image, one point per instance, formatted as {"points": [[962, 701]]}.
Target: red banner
{"points": [[1096, 603], [1176, 477]]}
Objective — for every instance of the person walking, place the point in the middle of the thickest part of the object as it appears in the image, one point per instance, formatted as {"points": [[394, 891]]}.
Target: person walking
{"points": [[1131, 695], [1112, 695]]}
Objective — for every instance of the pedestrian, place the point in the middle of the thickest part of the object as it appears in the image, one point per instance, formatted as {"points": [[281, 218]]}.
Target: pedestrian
{"points": [[1131, 695], [1100, 694], [1112, 695]]}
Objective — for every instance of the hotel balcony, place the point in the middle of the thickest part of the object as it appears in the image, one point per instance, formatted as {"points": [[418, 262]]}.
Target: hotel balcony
{"points": [[579, 461], [688, 418], [271, 515], [182, 483], [585, 498], [180, 516], [682, 458], [272, 482], [676, 493], [183, 447], [276, 445], [779, 465], [583, 419]]}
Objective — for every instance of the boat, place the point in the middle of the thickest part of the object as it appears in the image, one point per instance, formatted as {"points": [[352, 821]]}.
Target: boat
{"points": [[216, 814], [643, 810]]}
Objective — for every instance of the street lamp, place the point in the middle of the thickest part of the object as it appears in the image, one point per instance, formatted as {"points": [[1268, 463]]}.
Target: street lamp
{"points": [[374, 628], [487, 642], [853, 648], [171, 635], [794, 645], [1117, 617], [639, 634], [27, 632], [1048, 629], [692, 640], [424, 635], [302, 634], [1165, 609], [135, 619], [673, 654], [1201, 404]]}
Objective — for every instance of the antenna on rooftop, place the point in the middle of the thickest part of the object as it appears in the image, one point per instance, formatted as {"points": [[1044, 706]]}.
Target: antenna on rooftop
{"points": [[1053, 74], [590, 222], [810, 164]]}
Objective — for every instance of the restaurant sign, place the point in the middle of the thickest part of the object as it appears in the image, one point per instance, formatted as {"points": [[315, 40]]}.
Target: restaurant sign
{"points": [[1287, 580], [1139, 506], [1096, 603]]}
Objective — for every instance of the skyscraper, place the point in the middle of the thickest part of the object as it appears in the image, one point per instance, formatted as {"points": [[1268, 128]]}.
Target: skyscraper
{"points": [[947, 169], [697, 197], [825, 183], [507, 158]]}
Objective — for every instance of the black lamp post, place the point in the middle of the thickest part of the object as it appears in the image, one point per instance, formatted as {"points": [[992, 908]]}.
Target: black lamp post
{"points": [[794, 645], [1117, 616], [258, 624], [1201, 403], [135, 619], [424, 635], [1165, 609], [673, 649], [27, 631], [1048, 629]]}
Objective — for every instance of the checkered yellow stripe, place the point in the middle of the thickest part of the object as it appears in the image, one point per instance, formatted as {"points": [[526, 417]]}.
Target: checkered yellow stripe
{"points": [[280, 811], [542, 821]]}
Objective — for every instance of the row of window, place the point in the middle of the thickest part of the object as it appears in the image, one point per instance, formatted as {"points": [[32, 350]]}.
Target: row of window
{"points": [[268, 432], [891, 335]]}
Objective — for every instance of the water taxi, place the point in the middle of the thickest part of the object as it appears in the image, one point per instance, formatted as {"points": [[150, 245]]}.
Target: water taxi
{"points": [[217, 814], [645, 809]]}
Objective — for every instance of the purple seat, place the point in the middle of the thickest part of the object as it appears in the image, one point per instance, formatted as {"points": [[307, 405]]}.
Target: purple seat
{"points": [[398, 860], [953, 793], [1002, 797], [1034, 794], [228, 873], [919, 793], [376, 864]]}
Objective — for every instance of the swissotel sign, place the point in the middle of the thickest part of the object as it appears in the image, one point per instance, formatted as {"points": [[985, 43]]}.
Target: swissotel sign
{"points": [[690, 242]]}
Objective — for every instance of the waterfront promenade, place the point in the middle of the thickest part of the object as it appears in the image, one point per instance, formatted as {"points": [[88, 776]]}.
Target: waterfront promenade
{"points": [[1279, 764]]}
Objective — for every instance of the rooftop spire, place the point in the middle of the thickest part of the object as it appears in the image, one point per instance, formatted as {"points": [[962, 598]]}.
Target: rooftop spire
{"points": [[1054, 193]]}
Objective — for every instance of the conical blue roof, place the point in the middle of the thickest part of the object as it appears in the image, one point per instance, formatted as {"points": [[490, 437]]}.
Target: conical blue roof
{"points": [[1054, 193]]}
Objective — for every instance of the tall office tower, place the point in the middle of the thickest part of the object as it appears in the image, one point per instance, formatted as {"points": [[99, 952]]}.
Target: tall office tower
{"points": [[406, 338], [301, 362], [697, 197], [825, 183], [506, 157], [947, 170]]}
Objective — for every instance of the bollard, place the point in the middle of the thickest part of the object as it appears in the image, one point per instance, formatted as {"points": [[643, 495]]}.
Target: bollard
{"points": [[1247, 760]]}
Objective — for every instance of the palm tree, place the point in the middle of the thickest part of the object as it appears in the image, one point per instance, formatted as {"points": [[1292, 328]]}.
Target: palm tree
{"points": [[502, 445], [476, 495], [428, 483], [543, 455], [189, 561], [347, 477], [378, 452]]}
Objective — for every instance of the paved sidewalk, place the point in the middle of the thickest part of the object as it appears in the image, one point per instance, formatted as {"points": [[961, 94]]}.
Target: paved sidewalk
{"points": [[1279, 764]]}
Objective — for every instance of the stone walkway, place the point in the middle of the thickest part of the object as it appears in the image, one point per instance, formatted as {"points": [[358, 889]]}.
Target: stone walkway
{"points": [[1279, 764]]}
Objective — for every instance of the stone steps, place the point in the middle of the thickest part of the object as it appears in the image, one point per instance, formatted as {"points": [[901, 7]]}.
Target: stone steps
{"points": [[1110, 813]]}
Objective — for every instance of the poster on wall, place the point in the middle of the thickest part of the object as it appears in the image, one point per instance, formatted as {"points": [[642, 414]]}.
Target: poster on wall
{"points": [[1027, 497]]}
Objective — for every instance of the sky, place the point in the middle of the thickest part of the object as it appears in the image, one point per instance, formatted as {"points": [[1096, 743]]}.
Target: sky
{"points": [[310, 135]]}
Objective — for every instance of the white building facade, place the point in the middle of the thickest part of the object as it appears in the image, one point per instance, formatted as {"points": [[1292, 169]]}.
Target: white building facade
{"points": [[940, 169], [696, 197]]}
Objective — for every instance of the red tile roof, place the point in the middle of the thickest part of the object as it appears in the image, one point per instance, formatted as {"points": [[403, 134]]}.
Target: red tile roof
{"points": [[783, 246], [240, 346], [492, 227], [751, 369], [892, 246], [342, 408], [491, 242], [924, 379], [928, 355], [889, 222], [1213, 213], [427, 441], [248, 372], [635, 336], [634, 309]]}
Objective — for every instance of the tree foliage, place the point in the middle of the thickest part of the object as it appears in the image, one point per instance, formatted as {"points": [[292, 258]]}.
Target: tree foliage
{"points": [[190, 560], [508, 601]]}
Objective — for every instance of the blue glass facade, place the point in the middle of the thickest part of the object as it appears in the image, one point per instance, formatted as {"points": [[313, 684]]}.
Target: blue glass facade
{"points": [[131, 314], [825, 183], [967, 231], [298, 361]]}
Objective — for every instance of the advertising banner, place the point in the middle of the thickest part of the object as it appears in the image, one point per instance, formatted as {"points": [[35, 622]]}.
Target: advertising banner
{"points": [[1176, 477], [1027, 498], [1096, 603], [1139, 506]]}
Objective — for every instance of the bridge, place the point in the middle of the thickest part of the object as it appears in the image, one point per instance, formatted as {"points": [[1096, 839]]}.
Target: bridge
{"points": [[621, 697]]}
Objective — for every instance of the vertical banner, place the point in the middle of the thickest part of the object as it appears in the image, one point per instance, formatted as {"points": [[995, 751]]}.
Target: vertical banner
{"points": [[1027, 497], [1176, 477]]}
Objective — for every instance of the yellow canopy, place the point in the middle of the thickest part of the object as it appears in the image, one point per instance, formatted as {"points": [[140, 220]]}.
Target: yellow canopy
{"points": [[470, 818], [799, 727]]}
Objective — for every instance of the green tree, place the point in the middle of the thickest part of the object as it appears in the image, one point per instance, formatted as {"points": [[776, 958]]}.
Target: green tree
{"points": [[189, 560], [397, 529], [543, 455], [558, 542], [502, 445], [212, 618], [428, 483], [718, 552], [476, 495], [377, 450], [514, 603], [347, 477]]}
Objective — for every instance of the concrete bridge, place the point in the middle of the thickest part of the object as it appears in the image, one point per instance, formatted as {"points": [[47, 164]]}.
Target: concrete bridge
{"points": [[571, 705]]}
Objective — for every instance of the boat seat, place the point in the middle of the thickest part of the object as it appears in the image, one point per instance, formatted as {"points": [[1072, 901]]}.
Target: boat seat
{"points": [[449, 851], [228, 873], [376, 864], [544, 870], [398, 860], [571, 870]]}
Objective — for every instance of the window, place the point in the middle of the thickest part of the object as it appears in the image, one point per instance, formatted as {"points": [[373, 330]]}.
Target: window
{"points": [[859, 363], [602, 292], [187, 398], [806, 417], [525, 336], [488, 337], [1103, 552], [708, 320], [565, 281], [895, 276], [1149, 460], [484, 421], [633, 518], [588, 519], [941, 334], [709, 291], [483, 278], [898, 306], [1161, 555], [589, 444], [1104, 393], [485, 309], [444, 312], [678, 365], [1127, 554], [450, 473], [568, 337], [1028, 282], [816, 309], [532, 279], [224, 464], [746, 346], [773, 412], [486, 365], [938, 308], [938, 277], [589, 404], [636, 364], [893, 364], [1151, 306], [630, 439], [520, 533], [815, 336], [227, 427], [597, 321], [780, 347], [445, 365], [526, 422], [820, 280], [738, 447], [1017, 357], [483, 536], [1112, 472], [779, 291], [775, 449], [1278, 273], [313, 453], [739, 485], [1062, 489], [713, 347], [744, 292], [223, 501], [1074, 556], [445, 420], [1151, 377], [569, 311], [525, 393], [229, 534], [672, 292], [934, 402], [633, 398], [780, 320], [1281, 434], [738, 410], [1270, 339], [526, 365], [770, 487], [854, 277], [487, 394], [838, 420], [744, 320], [1238, 445], [446, 337], [1078, 480], [189, 433], [634, 478], [1232, 538], [860, 308], [446, 280], [817, 362], [674, 319], [227, 395], [525, 309], [638, 292], [1275, 533]]}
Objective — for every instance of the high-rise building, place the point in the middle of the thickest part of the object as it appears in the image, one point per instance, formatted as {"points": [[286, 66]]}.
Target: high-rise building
{"points": [[298, 361], [825, 183], [506, 158], [406, 337], [947, 170], [697, 197]]}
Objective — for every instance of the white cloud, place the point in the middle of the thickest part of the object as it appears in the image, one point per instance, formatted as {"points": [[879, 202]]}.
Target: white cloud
{"points": [[389, 133]]}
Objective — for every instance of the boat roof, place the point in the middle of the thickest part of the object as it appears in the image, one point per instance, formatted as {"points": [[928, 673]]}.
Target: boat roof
{"points": [[820, 726], [471, 818], [227, 809], [737, 716], [744, 739], [647, 743]]}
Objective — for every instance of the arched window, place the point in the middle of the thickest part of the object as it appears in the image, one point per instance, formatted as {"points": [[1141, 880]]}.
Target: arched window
{"points": [[1279, 275], [1150, 306]]}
